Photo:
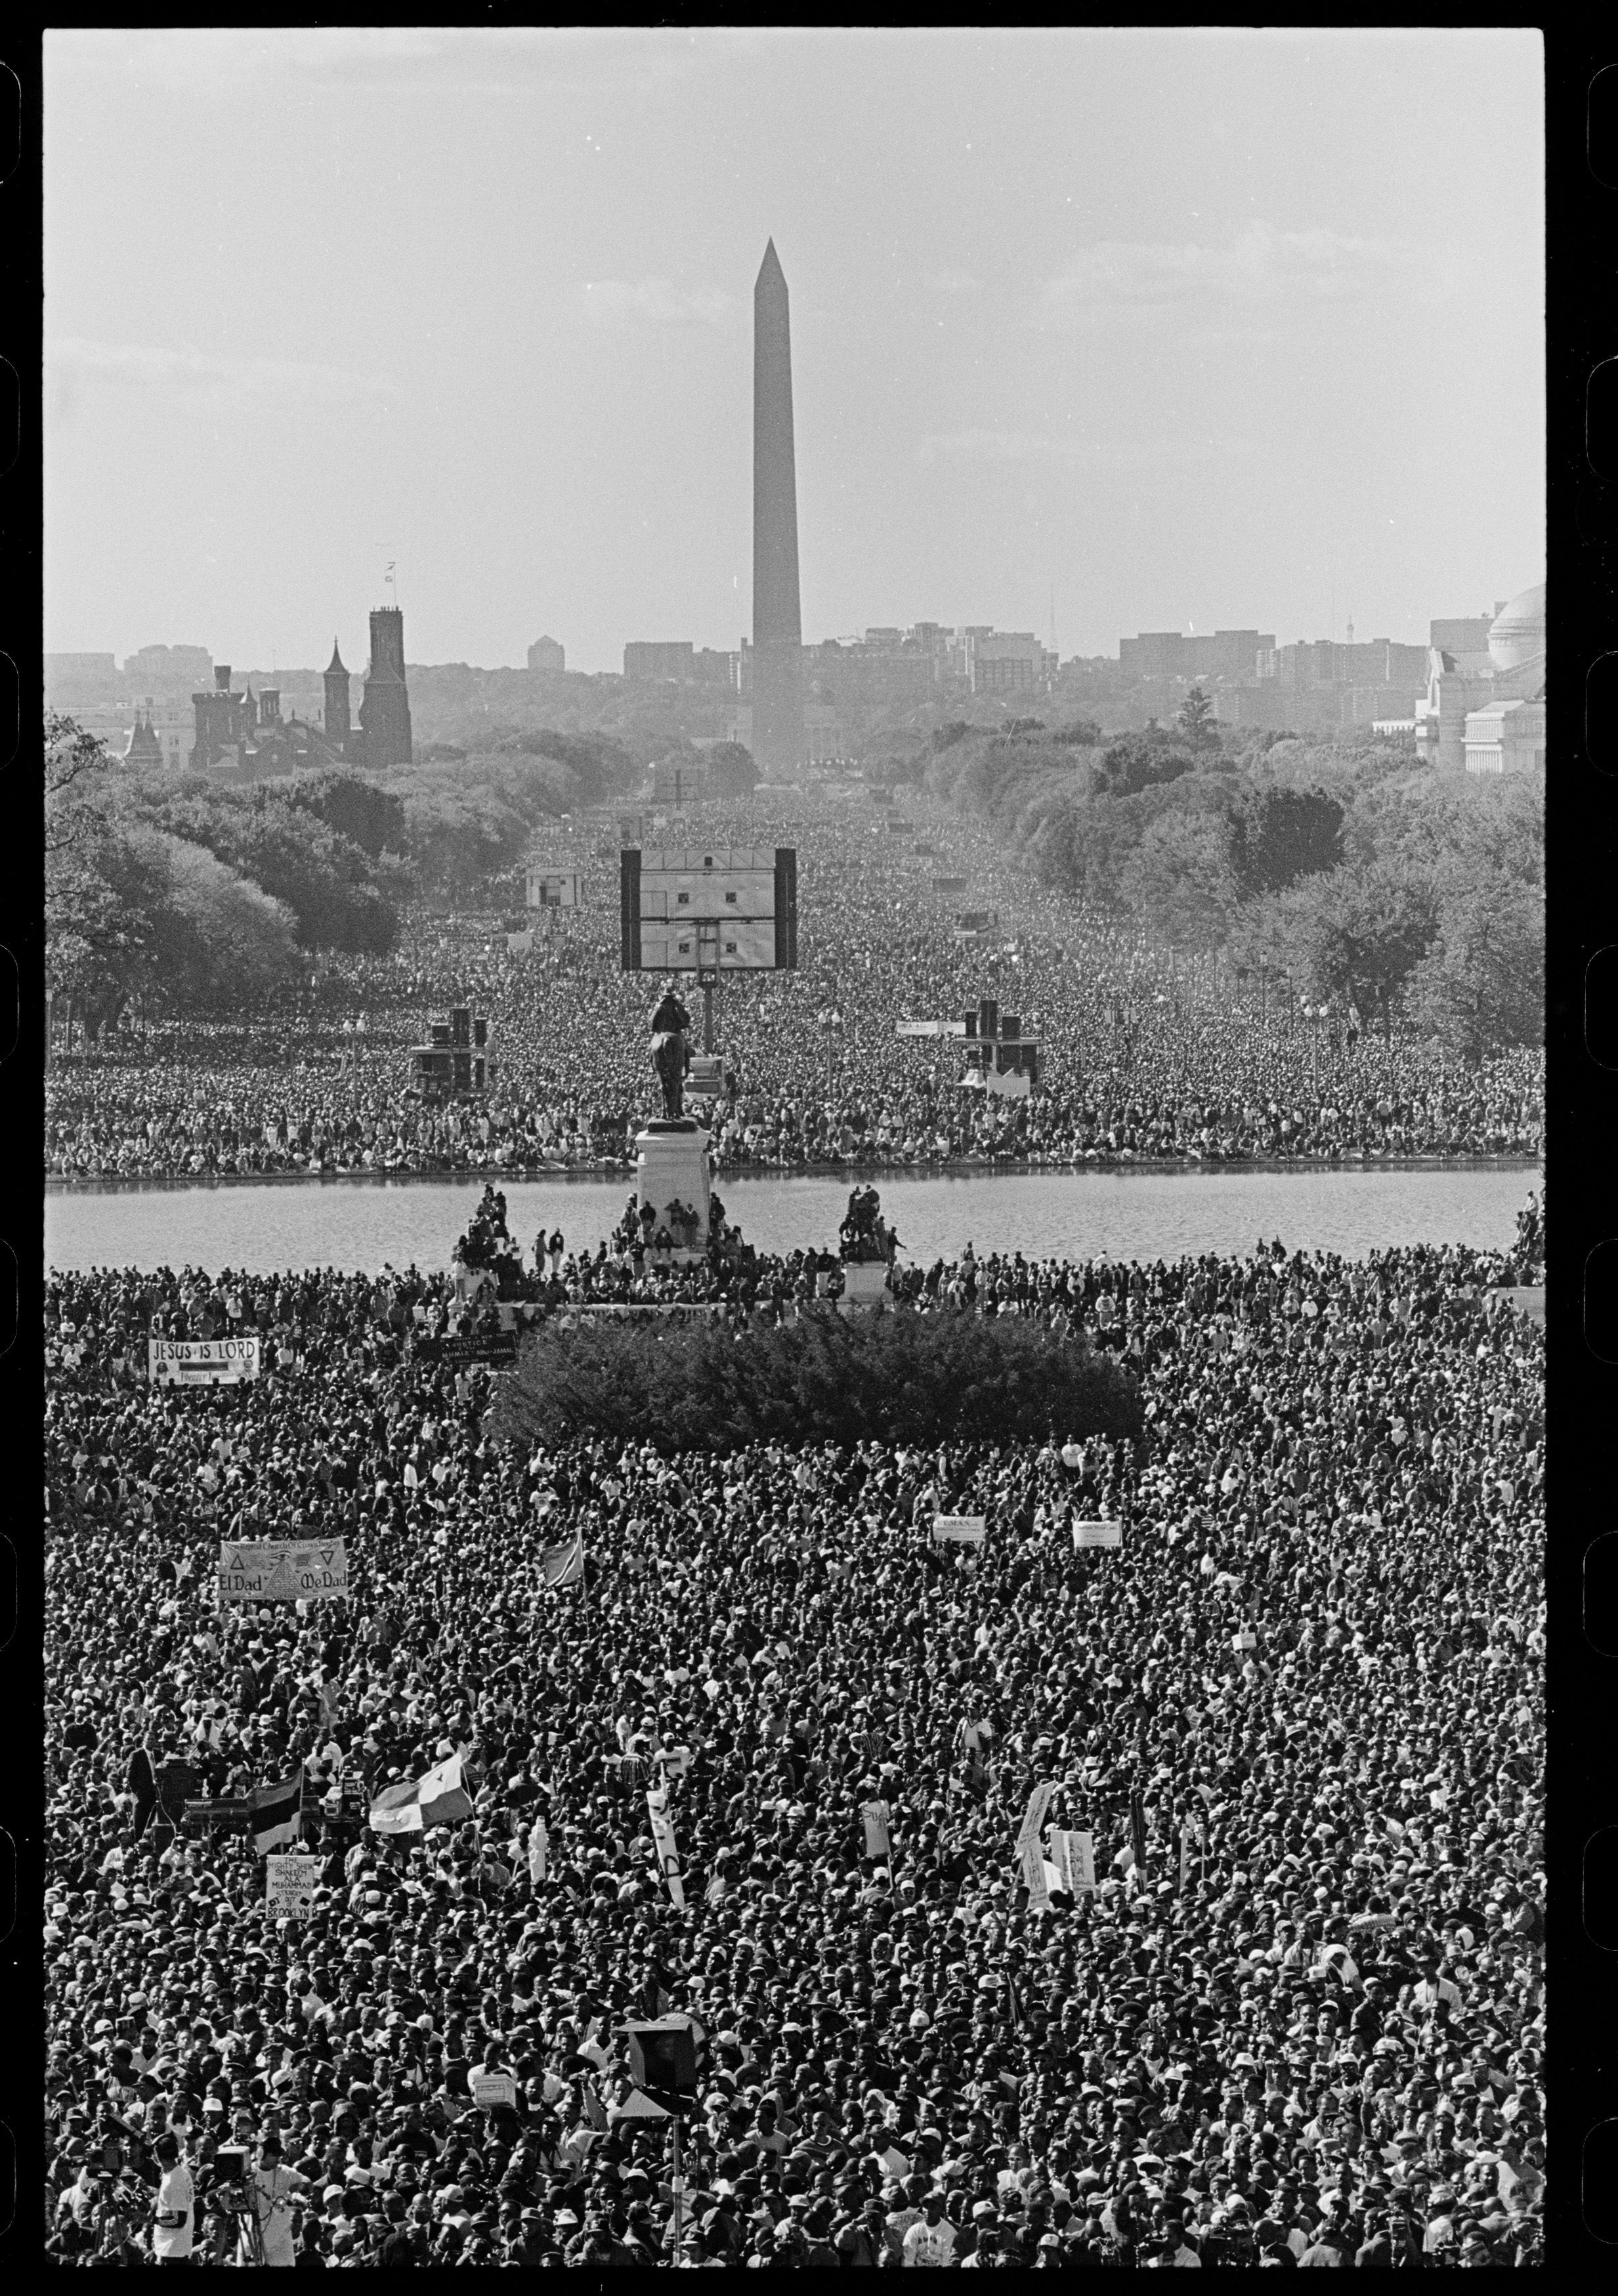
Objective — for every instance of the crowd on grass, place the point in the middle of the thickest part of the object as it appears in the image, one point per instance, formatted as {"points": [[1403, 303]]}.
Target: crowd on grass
{"points": [[1142, 1058], [1298, 1709]]}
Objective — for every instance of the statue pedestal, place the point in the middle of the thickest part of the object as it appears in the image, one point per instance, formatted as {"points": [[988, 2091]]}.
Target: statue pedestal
{"points": [[671, 1165], [865, 1285]]}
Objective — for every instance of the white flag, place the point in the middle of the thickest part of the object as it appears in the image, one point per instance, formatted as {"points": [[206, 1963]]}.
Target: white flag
{"points": [[662, 1835]]}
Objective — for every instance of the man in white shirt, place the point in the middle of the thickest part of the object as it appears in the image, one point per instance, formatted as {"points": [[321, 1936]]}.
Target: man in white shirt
{"points": [[274, 2189], [931, 2240], [176, 2216]]}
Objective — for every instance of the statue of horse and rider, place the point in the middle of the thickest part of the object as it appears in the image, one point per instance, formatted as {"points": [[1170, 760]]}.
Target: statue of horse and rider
{"points": [[670, 1050]]}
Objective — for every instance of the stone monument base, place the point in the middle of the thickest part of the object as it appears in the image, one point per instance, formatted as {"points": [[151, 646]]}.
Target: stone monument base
{"points": [[671, 1166], [865, 1285]]}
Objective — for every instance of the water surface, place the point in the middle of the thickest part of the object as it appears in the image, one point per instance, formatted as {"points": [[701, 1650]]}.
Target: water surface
{"points": [[365, 1223]]}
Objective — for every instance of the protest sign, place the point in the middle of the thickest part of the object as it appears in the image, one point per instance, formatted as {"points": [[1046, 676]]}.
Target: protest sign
{"points": [[1074, 1854], [202, 1363], [490, 2089], [961, 1529], [1033, 1816], [873, 1815], [290, 1883], [282, 1570], [538, 1850], [1098, 1534], [1034, 1876]]}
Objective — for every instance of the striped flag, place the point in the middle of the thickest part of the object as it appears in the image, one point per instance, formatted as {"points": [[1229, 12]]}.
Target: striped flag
{"points": [[563, 1564], [438, 1797], [275, 1813]]}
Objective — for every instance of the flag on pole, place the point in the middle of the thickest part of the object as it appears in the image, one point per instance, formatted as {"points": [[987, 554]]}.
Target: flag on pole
{"points": [[438, 1798], [563, 1564], [276, 1813], [1138, 1831]]}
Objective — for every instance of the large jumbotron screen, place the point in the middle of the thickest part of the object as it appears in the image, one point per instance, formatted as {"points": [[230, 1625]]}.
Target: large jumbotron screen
{"points": [[729, 909]]}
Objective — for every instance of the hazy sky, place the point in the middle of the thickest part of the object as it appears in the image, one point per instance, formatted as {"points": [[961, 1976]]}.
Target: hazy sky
{"points": [[1200, 330]]}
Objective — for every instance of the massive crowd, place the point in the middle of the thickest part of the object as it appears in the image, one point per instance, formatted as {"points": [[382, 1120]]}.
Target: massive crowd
{"points": [[1299, 1709], [1141, 1058]]}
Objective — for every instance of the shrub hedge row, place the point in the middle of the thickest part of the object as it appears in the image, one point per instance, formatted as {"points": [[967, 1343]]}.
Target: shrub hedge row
{"points": [[898, 1377]]}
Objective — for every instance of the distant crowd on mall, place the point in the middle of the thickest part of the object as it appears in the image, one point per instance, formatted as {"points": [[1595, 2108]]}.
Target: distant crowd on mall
{"points": [[1143, 1059]]}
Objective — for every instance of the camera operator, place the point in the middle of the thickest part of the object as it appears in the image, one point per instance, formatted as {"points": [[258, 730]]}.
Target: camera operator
{"points": [[274, 2192], [174, 2221]]}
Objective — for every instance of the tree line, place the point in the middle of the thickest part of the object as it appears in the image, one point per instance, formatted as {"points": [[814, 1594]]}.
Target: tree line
{"points": [[172, 892], [1365, 878]]}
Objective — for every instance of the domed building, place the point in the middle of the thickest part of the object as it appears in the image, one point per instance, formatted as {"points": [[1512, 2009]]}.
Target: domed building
{"points": [[1517, 637], [1490, 719]]}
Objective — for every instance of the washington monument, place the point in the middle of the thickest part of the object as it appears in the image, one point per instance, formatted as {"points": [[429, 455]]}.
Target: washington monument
{"points": [[777, 627]]}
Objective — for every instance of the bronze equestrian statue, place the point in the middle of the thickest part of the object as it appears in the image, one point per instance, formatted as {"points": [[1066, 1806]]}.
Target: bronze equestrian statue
{"points": [[670, 1052]]}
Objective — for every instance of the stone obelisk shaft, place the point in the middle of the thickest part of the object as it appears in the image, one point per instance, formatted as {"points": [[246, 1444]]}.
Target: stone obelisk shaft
{"points": [[778, 629]]}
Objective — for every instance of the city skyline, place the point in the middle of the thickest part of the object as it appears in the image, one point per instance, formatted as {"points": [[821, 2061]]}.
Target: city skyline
{"points": [[1028, 357]]}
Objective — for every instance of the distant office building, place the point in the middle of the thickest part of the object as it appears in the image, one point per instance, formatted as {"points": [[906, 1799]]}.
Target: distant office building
{"points": [[548, 657], [384, 714], [156, 666], [1008, 661], [1465, 638], [675, 661], [1320, 661], [667, 660], [1176, 654], [89, 666]]}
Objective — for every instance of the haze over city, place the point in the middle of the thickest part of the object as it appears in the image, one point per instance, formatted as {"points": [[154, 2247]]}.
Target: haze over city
{"points": [[1148, 332]]}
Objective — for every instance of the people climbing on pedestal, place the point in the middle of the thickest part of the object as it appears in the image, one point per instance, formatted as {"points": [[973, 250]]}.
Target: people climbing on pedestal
{"points": [[865, 1236]]}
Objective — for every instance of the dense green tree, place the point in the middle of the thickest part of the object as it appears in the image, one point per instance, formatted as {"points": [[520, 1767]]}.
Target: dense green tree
{"points": [[1197, 721], [1179, 874], [1280, 834], [1480, 988]]}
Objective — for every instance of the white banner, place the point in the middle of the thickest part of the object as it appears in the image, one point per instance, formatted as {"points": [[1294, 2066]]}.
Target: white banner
{"points": [[1033, 1816], [282, 1570], [290, 1883], [1098, 1534], [1074, 1854], [873, 1815], [1034, 1876], [961, 1529], [662, 1835], [202, 1363]]}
